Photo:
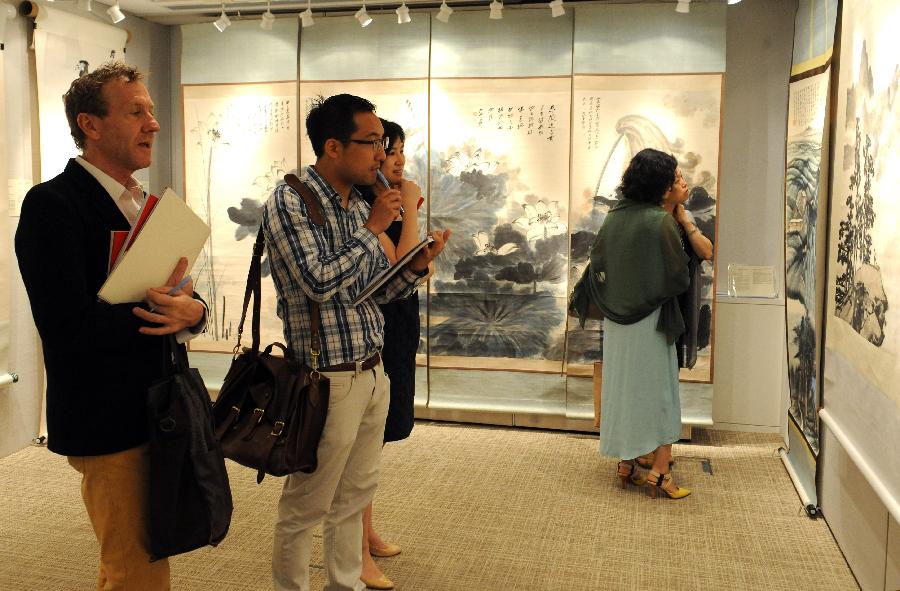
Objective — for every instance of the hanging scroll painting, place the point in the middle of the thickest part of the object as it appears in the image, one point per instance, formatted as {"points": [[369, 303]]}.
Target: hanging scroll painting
{"points": [[499, 179], [614, 118], [803, 216], [239, 141], [864, 283]]}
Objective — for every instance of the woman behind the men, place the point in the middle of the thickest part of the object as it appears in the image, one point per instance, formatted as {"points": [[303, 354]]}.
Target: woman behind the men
{"points": [[640, 267], [401, 335]]}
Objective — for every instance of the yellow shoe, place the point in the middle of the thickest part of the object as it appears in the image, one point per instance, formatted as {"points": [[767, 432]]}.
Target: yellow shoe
{"points": [[627, 474], [663, 482], [386, 550], [379, 582]]}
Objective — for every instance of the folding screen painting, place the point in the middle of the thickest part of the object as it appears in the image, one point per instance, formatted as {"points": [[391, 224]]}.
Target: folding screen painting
{"points": [[499, 179], [614, 118], [240, 140], [66, 46], [864, 282]]}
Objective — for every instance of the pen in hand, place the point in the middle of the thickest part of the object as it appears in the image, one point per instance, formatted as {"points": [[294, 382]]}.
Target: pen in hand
{"points": [[174, 291], [383, 180]]}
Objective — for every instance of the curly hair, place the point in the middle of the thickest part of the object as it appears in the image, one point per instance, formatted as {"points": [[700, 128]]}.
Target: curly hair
{"points": [[648, 176], [332, 118], [85, 95]]}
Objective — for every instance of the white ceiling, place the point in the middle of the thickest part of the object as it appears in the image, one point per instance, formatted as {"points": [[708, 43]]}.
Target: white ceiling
{"points": [[174, 12]]}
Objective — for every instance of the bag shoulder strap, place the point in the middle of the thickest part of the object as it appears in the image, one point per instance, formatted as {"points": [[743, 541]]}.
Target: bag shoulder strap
{"points": [[312, 203], [317, 216]]}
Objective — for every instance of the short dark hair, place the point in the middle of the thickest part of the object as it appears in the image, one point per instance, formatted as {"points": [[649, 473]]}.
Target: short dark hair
{"points": [[393, 132], [648, 176], [85, 95], [333, 118]]}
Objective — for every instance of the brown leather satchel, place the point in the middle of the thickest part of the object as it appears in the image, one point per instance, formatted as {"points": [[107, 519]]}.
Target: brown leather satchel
{"points": [[271, 409]]}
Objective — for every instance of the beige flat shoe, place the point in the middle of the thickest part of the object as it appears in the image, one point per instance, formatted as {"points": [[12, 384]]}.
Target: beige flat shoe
{"points": [[379, 582], [385, 551]]}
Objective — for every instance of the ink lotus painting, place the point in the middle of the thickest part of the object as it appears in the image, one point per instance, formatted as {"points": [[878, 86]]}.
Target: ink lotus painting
{"points": [[499, 166], [614, 117], [239, 141]]}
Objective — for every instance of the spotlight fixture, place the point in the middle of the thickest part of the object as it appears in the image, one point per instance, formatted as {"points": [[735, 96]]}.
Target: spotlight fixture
{"points": [[444, 13], [683, 6], [496, 10], [268, 19], [733, 1], [556, 8], [223, 22], [115, 13], [403, 14], [363, 17], [306, 18]]}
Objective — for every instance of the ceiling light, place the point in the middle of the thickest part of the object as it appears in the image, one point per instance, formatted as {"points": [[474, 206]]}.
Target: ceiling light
{"points": [[683, 6], [444, 13], [306, 17], [268, 19], [363, 17], [223, 22], [115, 13], [733, 1], [556, 8], [496, 10], [403, 14]]}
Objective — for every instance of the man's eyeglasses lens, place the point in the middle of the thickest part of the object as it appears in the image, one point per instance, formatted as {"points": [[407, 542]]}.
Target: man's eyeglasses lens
{"points": [[380, 144]]}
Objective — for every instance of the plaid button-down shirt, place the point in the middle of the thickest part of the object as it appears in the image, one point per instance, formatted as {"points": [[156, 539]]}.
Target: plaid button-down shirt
{"points": [[329, 264]]}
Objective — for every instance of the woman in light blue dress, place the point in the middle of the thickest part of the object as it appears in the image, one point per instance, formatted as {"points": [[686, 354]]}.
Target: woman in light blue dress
{"points": [[639, 268]]}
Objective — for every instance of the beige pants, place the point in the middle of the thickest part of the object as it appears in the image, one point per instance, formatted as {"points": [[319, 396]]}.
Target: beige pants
{"points": [[340, 488], [114, 489]]}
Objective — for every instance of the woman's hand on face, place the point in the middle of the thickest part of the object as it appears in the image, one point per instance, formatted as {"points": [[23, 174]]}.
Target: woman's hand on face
{"points": [[410, 192]]}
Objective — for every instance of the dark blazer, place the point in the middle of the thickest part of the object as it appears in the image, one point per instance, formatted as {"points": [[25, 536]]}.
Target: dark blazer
{"points": [[98, 365]]}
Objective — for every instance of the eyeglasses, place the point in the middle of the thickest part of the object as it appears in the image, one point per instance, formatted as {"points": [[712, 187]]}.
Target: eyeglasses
{"points": [[379, 144]]}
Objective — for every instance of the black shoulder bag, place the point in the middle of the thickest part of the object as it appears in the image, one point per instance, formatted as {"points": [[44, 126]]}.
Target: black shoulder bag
{"points": [[271, 409], [189, 499]]}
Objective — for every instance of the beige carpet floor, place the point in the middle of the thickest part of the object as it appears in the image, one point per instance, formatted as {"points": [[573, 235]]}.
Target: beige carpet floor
{"points": [[483, 509]]}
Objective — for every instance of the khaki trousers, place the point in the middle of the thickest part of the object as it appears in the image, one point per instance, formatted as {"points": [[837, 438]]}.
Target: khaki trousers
{"points": [[114, 488], [340, 488]]}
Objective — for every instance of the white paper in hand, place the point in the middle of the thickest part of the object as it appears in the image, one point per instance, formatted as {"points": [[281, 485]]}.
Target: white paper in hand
{"points": [[172, 231]]}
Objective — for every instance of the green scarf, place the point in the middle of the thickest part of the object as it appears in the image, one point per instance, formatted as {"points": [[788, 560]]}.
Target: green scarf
{"points": [[639, 265]]}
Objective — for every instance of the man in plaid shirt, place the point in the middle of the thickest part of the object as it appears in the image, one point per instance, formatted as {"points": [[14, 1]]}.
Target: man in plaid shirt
{"points": [[330, 264]]}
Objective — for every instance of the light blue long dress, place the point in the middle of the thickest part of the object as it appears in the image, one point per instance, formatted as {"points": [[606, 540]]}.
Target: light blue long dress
{"points": [[640, 407]]}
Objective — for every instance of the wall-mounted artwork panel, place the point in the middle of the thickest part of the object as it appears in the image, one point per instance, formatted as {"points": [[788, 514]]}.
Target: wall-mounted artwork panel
{"points": [[804, 244], [239, 141], [499, 179], [614, 118], [66, 46]]}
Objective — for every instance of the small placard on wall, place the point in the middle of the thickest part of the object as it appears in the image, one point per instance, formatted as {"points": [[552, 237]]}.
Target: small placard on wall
{"points": [[751, 281], [17, 189]]}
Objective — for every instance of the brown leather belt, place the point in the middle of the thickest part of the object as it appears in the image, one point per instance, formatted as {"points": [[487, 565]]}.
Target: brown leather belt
{"points": [[351, 365]]}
